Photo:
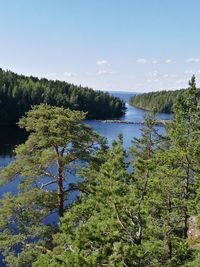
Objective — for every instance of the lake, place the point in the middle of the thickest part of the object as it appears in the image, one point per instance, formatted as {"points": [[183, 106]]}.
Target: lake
{"points": [[11, 136]]}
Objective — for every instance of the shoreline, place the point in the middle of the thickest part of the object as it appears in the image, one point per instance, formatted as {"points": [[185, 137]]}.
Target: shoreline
{"points": [[157, 122]]}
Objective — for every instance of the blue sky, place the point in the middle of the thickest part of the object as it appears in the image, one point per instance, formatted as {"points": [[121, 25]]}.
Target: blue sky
{"points": [[130, 45]]}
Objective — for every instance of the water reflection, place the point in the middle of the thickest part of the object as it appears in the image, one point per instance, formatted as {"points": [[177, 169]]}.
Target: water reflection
{"points": [[10, 136]]}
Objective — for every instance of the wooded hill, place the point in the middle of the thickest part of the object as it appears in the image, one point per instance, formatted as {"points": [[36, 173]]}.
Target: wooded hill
{"points": [[18, 93], [161, 101]]}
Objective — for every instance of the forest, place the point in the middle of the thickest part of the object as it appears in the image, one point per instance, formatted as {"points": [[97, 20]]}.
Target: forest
{"points": [[18, 93], [137, 207], [160, 101]]}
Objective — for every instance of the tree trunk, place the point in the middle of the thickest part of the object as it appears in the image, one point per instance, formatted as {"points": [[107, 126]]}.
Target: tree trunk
{"points": [[185, 232], [169, 241], [186, 196], [60, 190]]}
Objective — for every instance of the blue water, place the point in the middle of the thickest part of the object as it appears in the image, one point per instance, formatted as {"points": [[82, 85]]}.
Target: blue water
{"points": [[129, 131], [10, 136]]}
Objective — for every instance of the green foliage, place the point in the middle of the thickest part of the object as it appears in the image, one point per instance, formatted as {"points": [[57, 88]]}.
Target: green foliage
{"points": [[133, 208], [98, 230], [161, 101], [21, 222], [57, 139], [110, 226], [137, 217], [18, 93], [193, 259], [175, 184]]}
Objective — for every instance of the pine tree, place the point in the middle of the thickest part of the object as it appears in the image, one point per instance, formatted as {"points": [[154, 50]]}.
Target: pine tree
{"points": [[109, 226], [142, 153], [57, 139], [175, 179], [100, 229], [184, 138]]}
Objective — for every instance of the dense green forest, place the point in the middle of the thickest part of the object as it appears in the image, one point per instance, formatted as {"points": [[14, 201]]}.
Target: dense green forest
{"points": [[137, 208], [161, 101], [18, 93]]}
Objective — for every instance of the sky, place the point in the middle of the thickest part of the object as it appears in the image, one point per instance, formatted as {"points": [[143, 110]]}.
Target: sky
{"points": [[114, 45]]}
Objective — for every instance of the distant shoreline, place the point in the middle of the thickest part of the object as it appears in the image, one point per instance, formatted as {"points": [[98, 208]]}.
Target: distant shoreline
{"points": [[157, 122]]}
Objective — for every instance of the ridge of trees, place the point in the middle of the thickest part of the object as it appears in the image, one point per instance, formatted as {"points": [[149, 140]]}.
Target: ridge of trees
{"points": [[18, 93], [160, 101]]}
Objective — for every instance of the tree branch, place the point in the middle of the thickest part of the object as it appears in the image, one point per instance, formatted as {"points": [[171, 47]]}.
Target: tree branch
{"points": [[51, 182], [44, 250], [78, 188], [118, 217]]}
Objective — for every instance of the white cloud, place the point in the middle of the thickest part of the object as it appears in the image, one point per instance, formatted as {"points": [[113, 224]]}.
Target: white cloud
{"points": [[155, 80], [180, 82], [170, 75], [141, 61], [168, 61], [153, 77], [144, 61], [52, 74], [68, 74], [102, 62], [153, 74], [154, 62], [102, 72], [193, 60], [191, 72]]}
